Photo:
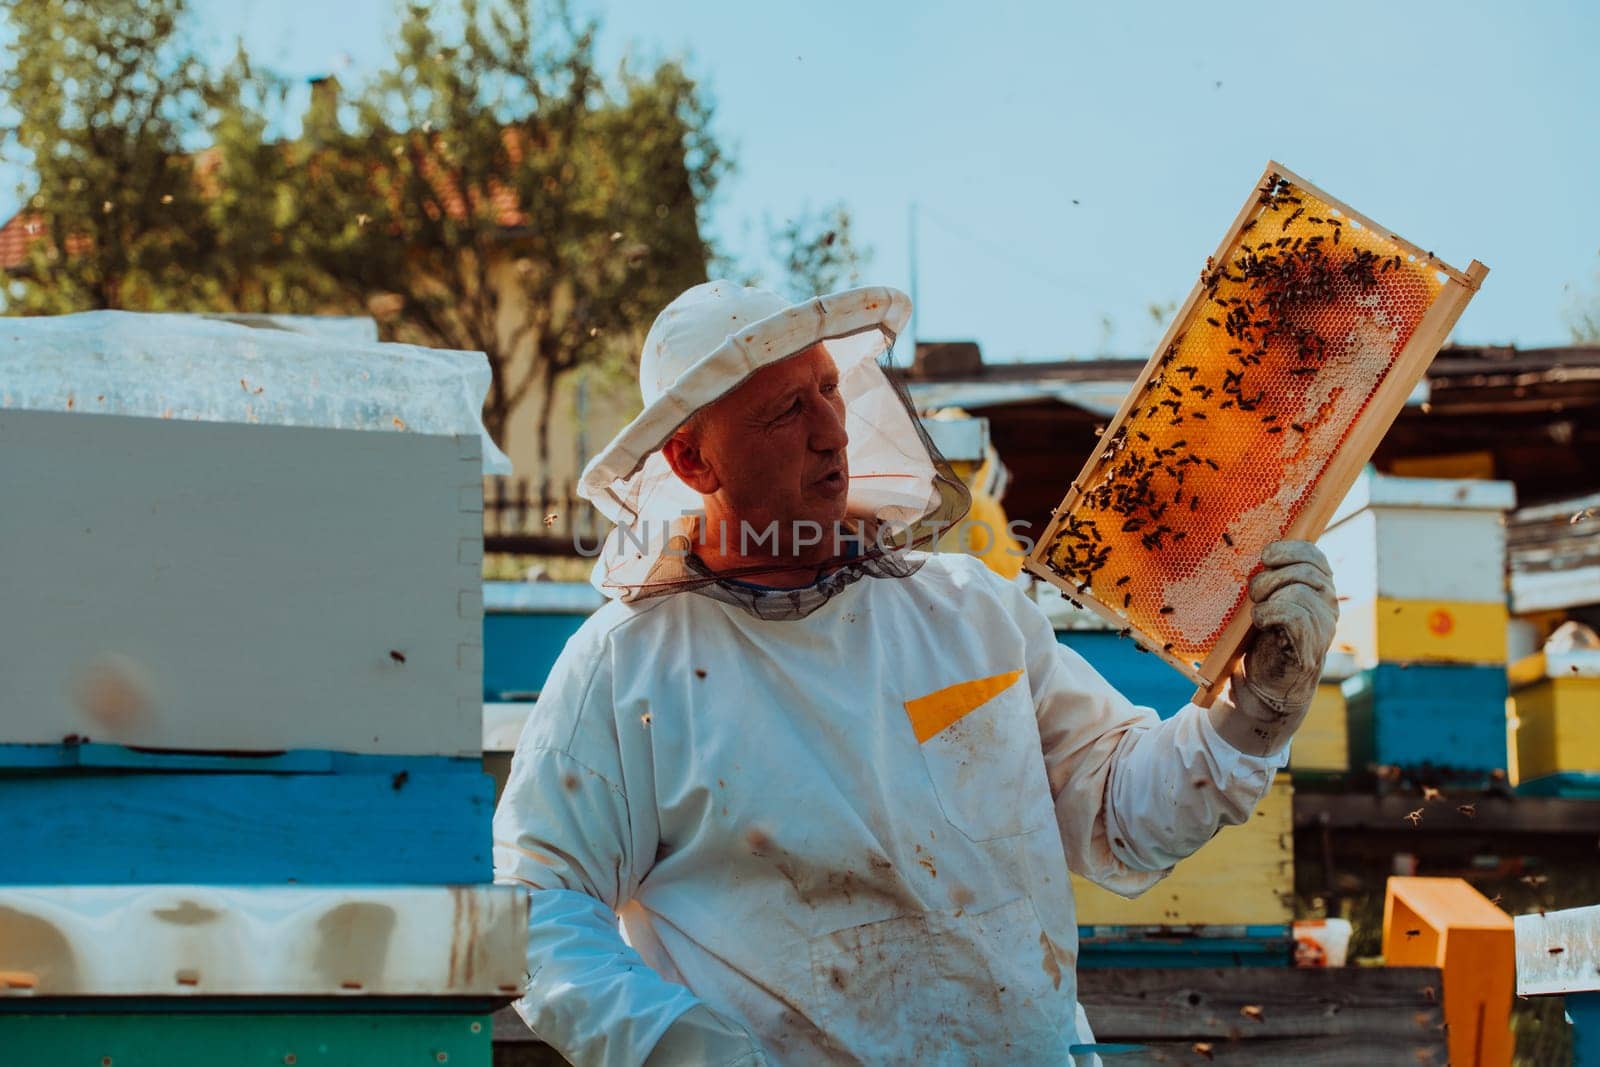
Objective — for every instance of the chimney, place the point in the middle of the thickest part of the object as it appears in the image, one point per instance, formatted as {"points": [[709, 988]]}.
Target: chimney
{"points": [[322, 115], [947, 359]]}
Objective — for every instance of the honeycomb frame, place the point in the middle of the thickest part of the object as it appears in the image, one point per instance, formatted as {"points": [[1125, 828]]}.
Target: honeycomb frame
{"points": [[1405, 290]]}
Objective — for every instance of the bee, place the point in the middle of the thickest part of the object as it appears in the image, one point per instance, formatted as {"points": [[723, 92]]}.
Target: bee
{"points": [[1228, 540], [1124, 579], [1167, 609], [398, 657], [1127, 598]]}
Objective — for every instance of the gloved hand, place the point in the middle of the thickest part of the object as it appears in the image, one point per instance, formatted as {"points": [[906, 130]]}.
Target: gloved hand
{"points": [[1294, 609], [701, 1036]]}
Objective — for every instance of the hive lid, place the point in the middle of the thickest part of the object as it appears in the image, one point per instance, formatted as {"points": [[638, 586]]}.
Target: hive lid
{"points": [[1374, 490], [197, 368]]}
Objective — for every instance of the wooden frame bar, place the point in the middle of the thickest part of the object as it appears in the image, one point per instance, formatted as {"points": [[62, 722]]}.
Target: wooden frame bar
{"points": [[1360, 442]]}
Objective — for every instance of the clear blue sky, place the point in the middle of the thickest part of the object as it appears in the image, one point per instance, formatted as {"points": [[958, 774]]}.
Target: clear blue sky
{"points": [[1471, 127]]}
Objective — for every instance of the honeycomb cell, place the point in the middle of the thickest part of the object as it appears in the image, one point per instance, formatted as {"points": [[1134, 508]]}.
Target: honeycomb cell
{"points": [[1290, 335]]}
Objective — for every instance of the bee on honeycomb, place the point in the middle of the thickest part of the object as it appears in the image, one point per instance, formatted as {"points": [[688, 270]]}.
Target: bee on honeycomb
{"points": [[1293, 329]]}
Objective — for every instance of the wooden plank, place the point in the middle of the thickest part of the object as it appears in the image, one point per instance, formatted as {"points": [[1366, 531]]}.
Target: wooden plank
{"points": [[1208, 1004], [1486, 814], [239, 588], [410, 827], [1558, 951], [245, 1040], [1302, 1052], [1158, 1016], [187, 941], [1244, 875]]}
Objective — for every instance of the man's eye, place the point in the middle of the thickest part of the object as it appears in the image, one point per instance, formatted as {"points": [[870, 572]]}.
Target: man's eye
{"points": [[830, 388]]}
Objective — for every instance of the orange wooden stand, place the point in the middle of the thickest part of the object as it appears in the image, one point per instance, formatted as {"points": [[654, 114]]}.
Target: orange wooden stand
{"points": [[1445, 923]]}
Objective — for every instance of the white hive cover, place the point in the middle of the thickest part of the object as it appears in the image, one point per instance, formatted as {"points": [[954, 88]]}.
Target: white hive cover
{"points": [[197, 368]]}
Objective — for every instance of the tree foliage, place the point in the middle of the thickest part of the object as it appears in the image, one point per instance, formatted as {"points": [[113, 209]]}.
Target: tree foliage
{"points": [[102, 95], [816, 252], [494, 193], [488, 189]]}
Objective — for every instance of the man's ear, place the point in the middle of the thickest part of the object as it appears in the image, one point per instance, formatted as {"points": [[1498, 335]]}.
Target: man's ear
{"points": [[689, 463]]}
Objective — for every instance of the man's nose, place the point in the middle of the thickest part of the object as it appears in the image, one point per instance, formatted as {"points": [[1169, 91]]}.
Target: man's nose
{"points": [[827, 427]]}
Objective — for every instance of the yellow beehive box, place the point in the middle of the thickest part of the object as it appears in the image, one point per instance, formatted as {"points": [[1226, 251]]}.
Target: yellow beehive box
{"points": [[1557, 700], [1242, 877], [1388, 630], [1322, 743]]}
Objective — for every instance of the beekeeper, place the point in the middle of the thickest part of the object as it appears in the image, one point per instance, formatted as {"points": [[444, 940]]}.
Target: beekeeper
{"points": [[832, 786]]}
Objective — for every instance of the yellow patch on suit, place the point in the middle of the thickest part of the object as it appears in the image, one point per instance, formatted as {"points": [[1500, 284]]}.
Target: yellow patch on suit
{"points": [[938, 710]]}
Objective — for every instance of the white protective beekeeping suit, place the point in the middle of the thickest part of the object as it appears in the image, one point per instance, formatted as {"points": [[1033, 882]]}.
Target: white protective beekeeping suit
{"points": [[836, 822]]}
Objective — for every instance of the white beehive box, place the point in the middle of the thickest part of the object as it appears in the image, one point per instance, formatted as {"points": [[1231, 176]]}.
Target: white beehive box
{"points": [[1420, 539], [175, 578], [1420, 565]]}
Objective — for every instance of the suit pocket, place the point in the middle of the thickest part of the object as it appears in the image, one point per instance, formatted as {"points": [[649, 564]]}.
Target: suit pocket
{"points": [[980, 743]]}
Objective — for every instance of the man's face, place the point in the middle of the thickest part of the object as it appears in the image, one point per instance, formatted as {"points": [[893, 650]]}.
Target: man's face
{"points": [[773, 449]]}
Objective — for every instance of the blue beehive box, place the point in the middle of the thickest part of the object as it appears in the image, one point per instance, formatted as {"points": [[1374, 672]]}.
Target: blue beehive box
{"points": [[1443, 717], [1139, 676]]}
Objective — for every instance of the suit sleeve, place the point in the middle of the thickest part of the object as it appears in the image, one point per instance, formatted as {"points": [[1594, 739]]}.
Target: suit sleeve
{"points": [[565, 829], [1133, 793]]}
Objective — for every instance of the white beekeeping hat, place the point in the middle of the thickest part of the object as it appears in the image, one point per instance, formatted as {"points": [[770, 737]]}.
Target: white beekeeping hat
{"points": [[704, 345]]}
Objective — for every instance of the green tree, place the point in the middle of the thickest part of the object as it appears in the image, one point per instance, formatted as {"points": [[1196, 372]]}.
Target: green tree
{"points": [[103, 96], [495, 194], [817, 252]]}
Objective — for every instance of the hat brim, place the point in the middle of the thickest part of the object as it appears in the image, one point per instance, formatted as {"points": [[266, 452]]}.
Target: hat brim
{"points": [[832, 318]]}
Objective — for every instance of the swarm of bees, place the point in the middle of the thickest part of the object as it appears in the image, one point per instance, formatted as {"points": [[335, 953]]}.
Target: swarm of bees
{"points": [[1191, 479]]}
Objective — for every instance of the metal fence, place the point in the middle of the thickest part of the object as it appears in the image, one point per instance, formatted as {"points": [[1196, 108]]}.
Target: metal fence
{"points": [[521, 518]]}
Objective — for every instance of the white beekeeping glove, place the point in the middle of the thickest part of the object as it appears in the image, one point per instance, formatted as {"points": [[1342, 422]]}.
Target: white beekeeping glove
{"points": [[1294, 610]]}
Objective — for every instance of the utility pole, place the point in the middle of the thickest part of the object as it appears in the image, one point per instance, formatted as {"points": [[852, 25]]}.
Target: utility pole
{"points": [[916, 308]]}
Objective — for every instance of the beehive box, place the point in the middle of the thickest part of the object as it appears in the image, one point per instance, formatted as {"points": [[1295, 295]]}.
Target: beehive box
{"points": [[1278, 376], [1557, 700], [1448, 717], [1244, 876], [1322, 744], [221, 587], [1421, 563], [240, 659]]}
